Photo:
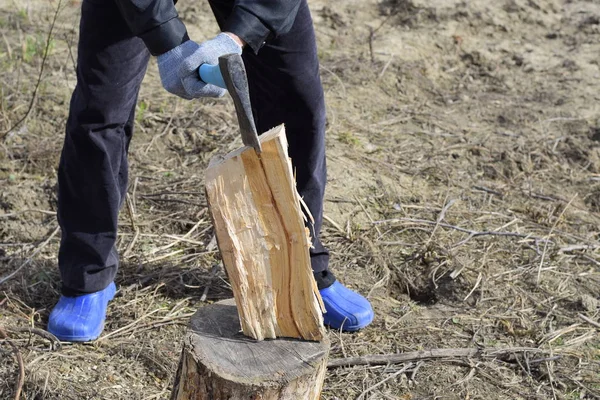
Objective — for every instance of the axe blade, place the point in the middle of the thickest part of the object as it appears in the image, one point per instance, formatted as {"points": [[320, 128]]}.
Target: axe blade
{"points": [[234, 74]]}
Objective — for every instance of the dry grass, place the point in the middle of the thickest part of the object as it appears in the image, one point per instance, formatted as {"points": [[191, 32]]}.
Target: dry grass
{"points": [[463, 199]]}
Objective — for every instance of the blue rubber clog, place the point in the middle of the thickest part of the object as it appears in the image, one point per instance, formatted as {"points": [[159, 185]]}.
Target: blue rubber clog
{"points": [[346, 310], [80, 318]]}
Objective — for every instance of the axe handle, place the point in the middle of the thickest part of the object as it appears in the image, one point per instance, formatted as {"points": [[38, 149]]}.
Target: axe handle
{"points": [[212, 74]]}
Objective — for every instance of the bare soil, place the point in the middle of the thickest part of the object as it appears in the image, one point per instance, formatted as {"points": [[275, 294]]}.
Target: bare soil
{"points": [[463, 200]]}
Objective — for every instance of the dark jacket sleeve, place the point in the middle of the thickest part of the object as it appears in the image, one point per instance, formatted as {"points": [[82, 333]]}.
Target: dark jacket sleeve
{"points": [[154, 21], [257, 20]]}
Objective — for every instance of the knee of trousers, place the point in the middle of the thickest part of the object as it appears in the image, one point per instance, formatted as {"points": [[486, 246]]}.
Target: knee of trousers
{"points": [[97, 109]]}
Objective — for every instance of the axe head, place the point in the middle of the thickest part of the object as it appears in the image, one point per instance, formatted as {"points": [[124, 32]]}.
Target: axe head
{"points": [[234, 74]]}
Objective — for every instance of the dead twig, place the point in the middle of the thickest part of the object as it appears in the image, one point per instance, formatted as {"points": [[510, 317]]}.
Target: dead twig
{"points": [[21, 379], [584, 387], [440, 218], [371, 37], [415, 370], [575, 247], [488, 190], [373, 31], [39, 80], [178, 239], [385, 67], [544, 197], [392, 376], [135, 327], [152, 198], [35, 253], [433, 354], [539, 270], [14, 214], [324, 68], [479, 278], [134, 227], [129, 327], [367, 214], [165, 131], [335, 225], [213, 273], [54, 342], [554, 335], [589, 320], [8, 46], [545, 359], [472, 233]]}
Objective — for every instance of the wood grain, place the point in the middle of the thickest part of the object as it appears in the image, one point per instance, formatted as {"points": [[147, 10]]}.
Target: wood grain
{"points": [[219, 362], [264, 243]]}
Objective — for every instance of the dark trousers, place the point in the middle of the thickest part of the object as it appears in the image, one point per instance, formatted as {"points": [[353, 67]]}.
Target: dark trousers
{"points": [[92, 176]]}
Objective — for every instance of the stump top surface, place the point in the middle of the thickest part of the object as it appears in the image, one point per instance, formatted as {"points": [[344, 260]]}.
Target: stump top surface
{"points": [[218, 343]]}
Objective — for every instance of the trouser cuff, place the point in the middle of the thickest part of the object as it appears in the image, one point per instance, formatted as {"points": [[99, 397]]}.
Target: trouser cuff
{"points": [[324, 279]]}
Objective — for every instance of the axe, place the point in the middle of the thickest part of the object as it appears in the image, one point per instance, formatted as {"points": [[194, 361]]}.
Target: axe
{"points": [[230, 74]]}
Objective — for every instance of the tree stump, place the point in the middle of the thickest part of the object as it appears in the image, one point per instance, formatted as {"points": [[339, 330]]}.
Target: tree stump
{"points": [[218, 362], [264, 244]]}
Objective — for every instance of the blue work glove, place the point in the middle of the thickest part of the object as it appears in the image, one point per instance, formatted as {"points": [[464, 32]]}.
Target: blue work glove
{"points": [[178, 67]]}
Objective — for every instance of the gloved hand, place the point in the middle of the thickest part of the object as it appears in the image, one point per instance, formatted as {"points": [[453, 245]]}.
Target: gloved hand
{"points": [[178, 67]]}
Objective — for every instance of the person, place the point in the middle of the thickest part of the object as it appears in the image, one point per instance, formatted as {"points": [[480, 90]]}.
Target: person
{"points": [[116, 40]]}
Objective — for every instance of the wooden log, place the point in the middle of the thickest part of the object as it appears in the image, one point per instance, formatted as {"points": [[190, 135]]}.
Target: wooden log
{"points": [[263, 241], [218, 362]]}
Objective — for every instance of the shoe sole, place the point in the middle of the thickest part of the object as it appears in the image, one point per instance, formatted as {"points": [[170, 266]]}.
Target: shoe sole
{"points": [[352, 328], [81, 339]]}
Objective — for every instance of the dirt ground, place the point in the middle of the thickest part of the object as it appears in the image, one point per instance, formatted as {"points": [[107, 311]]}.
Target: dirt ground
{"points": [[463, 200]]}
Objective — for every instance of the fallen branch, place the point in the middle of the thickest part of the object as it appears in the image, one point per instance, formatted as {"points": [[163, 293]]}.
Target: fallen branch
{"points": [[54, 342], [433, 354], [21, 379]]}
